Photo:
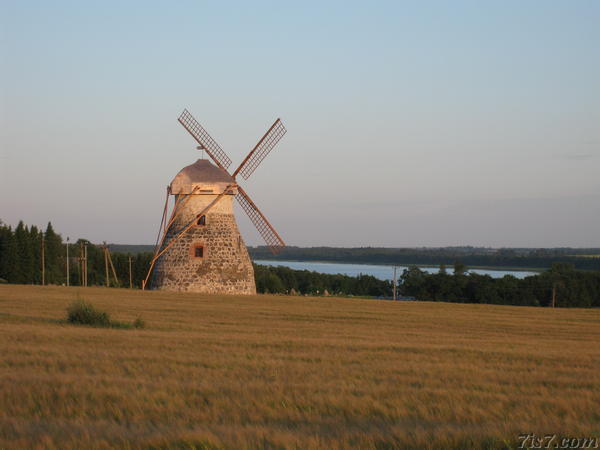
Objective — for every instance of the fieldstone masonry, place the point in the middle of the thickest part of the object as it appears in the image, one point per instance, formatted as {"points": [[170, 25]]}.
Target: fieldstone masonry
{"points": [[224, 267]]}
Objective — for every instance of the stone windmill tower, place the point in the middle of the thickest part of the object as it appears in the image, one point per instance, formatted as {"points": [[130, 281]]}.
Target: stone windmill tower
{"points": [[201, 249]]}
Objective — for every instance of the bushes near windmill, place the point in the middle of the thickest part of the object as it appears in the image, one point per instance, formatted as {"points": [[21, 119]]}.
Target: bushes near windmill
{"points": [[83, 313]]}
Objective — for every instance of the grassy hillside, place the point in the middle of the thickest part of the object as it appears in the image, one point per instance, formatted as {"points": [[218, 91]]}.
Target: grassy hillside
{"points": [[272, 372]]}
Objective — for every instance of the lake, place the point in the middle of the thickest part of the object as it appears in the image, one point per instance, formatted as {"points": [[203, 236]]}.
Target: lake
{"points": [[379, 271]]}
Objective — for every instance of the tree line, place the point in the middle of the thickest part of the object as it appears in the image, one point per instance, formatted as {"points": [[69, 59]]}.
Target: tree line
{"points": [[21, 259], [21, 263], [283, 280], [584, 259], [563, 285]]}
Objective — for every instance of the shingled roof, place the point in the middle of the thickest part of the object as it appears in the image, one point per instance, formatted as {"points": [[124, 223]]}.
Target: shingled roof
{"points": [[200, 174]]}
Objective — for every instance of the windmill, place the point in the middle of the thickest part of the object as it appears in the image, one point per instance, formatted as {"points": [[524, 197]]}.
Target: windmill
{"points": [[201, 249]]}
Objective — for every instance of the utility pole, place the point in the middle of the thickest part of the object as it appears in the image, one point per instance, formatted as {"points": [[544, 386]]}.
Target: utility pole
{"points": [[43, 262], [106, 264], [130, 278], [67, 261], [80, 265], [554, 295], [85, 268], [395, 283]]}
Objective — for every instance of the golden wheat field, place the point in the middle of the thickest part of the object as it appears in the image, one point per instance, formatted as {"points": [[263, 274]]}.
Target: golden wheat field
{"points": [[291, 372]]}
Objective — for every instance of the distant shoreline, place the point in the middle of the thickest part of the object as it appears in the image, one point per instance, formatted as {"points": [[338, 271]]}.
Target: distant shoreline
{"points": [[423, 266], [509, 259]]}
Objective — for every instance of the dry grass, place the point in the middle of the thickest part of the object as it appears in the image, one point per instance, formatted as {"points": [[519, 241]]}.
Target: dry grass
{"points": [[281, 372]]}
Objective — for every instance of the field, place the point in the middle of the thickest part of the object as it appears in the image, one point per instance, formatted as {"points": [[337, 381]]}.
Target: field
{"points": [[291, 372]]}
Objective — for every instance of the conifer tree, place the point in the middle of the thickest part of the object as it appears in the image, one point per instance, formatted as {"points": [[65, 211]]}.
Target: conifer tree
{"points": [[24, 265], [6, 251], [54, 256], [12, 258], [460, 268], [35, 240]]}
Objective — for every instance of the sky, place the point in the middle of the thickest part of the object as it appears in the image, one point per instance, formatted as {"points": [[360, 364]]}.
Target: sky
{"points": [[409, 123]]}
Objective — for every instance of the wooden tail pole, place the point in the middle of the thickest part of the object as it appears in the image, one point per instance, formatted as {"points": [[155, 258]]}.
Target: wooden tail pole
{"points": [[80, 265], [177, 208], [104, 250], [85, 265], [185, 229], [179, 204], [112, 267], [163, 220]]}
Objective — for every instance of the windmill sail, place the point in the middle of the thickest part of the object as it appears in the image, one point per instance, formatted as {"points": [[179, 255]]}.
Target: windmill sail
{"points": [[204, 139], [261, 223], [261, 150]]}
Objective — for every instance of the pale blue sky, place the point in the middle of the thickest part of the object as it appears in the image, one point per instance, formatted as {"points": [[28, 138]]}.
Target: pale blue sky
{"points": [[422, 123]]}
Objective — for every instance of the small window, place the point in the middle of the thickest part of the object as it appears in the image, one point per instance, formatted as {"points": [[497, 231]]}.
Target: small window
{"points": [[201, 221], [198, 251]]}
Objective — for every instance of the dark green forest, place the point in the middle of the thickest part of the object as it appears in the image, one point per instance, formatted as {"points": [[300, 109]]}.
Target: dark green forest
{"points": [[562, 285], [568, 286], [283, 280], [517, 258], [472, 256], [21, 259]]}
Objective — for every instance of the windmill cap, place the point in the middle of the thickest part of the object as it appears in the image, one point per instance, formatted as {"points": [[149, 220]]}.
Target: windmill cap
{"points": [[202, 177]]}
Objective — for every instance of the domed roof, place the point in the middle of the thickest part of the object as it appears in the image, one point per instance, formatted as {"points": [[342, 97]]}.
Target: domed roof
{"points": [[202, 177]]}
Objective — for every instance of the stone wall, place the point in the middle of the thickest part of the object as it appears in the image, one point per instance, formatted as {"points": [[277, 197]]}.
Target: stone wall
{"points": [[225, 266]]}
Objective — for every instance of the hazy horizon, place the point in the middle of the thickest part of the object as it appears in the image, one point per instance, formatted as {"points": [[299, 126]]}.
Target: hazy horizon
{"points": [[409, 125]]}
